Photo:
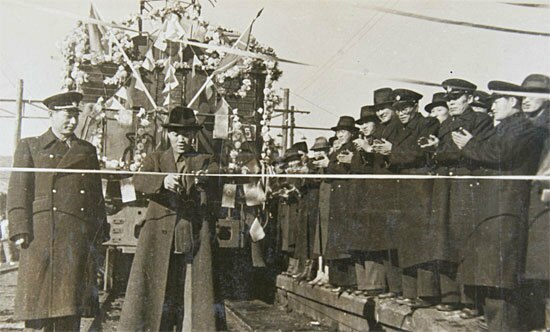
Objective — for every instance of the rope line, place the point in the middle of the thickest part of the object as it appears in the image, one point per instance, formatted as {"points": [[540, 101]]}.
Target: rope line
{"points": [[296, 176]]}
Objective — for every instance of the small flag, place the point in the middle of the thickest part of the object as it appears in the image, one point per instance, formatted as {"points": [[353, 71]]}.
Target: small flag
{"points": [[170, 79], [196, 62], [96, 33], [209, 90], [149, 61], [229, 193], [122, 93], [167, 101], [221, 121]]}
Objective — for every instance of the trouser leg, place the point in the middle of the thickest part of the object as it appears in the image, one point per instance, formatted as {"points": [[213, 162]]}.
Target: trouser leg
{"points": [[342, 272], [393, 272], [428, 282], [67, 324], [501, 311], [39, 325], [410, 283], [375, 270], [449, 287]]}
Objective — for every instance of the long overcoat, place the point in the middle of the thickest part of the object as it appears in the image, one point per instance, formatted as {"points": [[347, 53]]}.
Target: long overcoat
{"points": [[452, 199], [147, 284], [493, 241], [64, 215]]}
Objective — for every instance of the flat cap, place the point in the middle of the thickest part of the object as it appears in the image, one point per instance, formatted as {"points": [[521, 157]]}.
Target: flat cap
{"points": [[481, 99], [63, 101]]}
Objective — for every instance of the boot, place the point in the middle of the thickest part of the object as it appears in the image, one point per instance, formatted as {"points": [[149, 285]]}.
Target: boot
{"points": [[307, 272], [292, 267], [319, 272], [299, 269], [324, 279]]}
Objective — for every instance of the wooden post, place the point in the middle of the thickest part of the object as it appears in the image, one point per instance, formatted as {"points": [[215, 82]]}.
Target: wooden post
{"points": [[286, 102], [292, 125], [19, 112]]}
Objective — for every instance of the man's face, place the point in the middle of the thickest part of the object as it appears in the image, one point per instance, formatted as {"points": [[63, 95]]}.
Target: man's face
{"points": [[182, 139], [64, 122], [503, 107], [367, 128], [405, 114], [532, 104], [384, 114], [319, 154], [458, 103], [343, 135], [441, 113], [479, 109]]}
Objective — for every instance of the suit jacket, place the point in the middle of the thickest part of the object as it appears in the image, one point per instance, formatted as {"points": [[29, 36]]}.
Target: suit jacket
{"points": [[64, 215]]}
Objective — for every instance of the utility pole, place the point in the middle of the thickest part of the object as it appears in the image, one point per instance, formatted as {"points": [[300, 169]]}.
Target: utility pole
{"points": [[19, 112], [288, 112], [286, 102]]}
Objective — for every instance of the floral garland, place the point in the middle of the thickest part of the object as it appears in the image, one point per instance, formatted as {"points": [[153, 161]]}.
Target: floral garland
{"points": [[76, 52]]}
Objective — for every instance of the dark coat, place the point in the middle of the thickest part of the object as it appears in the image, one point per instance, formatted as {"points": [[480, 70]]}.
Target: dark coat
{"points": [[452, 199], [64, 214], [493, 241], [448, 156], [146, 290], [538, 243]]}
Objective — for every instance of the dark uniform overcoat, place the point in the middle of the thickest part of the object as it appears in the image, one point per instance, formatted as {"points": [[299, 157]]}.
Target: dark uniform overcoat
{"points": [[64, 215], [493, 241], [147, 285], [452, 199]]}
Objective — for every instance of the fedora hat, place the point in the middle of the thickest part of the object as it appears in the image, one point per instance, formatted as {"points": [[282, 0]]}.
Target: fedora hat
{"points": [[182, 117], [500, 89], [321, 143], [291, 155], [63, 101], [438, 99], [536, 83], [345, 123], [382, 98], [301, 147], [368, 114]]}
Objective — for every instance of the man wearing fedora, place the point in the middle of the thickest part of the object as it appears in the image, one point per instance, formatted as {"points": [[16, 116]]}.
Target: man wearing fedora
{"points": [[57, 219], [171, 282], [537, 269], [492, 255], [438, 107]]}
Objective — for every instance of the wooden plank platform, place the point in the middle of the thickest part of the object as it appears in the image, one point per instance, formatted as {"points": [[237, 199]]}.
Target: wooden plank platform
{"points": [[346, 312]]}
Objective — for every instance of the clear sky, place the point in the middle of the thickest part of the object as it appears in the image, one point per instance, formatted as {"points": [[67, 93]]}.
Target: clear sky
{"points": [[343, 38]]}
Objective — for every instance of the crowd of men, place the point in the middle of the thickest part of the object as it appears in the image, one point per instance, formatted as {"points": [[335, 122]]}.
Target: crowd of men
{"points": [[471, 244], [456, 244]]}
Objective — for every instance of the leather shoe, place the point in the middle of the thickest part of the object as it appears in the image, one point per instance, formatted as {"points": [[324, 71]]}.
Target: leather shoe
{"points": [[388, 295], [446, 307], [419, 303], [469, 313]]}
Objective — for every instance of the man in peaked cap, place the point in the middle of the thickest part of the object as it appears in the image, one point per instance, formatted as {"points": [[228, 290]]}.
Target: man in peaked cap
{"points": [[57, 219], [438, 107], [406, 157], [492, 251], [170, 281]]}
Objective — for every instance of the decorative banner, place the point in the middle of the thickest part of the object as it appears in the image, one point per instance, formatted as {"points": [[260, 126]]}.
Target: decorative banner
{"points": [[167, 101], [221, 120], [170, 80], [122, 93], [229, 194], [104, 183], [95, 33], [127, 190], [114, 104], [254, 194], [256, 231], [149, 61], [249, 131]]}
